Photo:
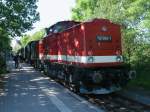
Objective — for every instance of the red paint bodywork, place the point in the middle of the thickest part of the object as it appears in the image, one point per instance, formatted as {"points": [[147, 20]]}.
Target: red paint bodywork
{"points": [[80, 40]]}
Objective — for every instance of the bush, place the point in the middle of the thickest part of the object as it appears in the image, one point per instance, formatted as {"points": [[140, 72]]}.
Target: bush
{"points": [[140, 61], [143, 78], [2, 65]]}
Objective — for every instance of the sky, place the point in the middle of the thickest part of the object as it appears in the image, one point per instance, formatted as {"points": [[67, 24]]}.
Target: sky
{"points": [[52, 11]]}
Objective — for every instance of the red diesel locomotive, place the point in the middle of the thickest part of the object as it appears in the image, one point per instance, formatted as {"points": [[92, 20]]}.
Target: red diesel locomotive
{"points": [[85, 55]]}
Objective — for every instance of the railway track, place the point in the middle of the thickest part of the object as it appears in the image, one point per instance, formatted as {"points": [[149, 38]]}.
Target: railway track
{"points": [[112, 102], [116, 103]]}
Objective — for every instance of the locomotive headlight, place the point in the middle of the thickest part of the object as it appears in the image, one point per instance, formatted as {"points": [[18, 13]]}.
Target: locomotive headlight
{"points": [[90, 59], [119, 59]]}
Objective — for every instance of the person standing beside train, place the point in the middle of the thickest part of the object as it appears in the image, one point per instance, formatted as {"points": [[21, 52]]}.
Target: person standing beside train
{"points": [[16, 59]]}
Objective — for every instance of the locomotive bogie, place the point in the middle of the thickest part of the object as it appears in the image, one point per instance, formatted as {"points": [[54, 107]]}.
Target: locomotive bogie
{"points": [[85, 80]]}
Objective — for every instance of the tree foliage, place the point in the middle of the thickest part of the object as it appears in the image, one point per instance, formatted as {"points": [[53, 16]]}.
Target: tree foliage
{"points": [[132, 15], [4, 40], [25, 40], [4, 46], [28, 38], [84, 9], [17, 16], [38, 35]]}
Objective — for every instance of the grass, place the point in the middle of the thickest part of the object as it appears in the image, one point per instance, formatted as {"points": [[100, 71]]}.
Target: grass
{"points": [[3, 70], [2, 74], [142, 80], [1, 83]]}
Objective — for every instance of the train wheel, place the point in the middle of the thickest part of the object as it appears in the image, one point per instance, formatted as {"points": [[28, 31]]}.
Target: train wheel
{"points": [[66, 79], [70, 80], [73, 85], [49, 71], [45, 69]]}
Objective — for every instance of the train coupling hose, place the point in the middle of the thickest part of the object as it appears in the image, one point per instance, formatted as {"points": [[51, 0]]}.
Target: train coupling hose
{"points": [[132, 74]]}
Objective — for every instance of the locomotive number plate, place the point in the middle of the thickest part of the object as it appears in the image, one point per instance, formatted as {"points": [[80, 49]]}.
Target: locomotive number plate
{"points": [[103, 38]]}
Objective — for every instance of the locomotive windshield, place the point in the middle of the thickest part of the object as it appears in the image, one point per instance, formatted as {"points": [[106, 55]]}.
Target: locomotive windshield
{"points": [[58, 29], [60, 26]]}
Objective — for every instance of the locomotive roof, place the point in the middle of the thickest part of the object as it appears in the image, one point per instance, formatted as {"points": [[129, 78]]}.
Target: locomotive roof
{"points": [[64, 25]]}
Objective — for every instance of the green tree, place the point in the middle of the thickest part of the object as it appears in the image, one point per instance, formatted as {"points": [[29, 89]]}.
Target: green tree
{"points": [[38, 35], [4, 46], [4, 40], [84, 9], [28, 38], [133, 16], [25, 40], [17, 16]]}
